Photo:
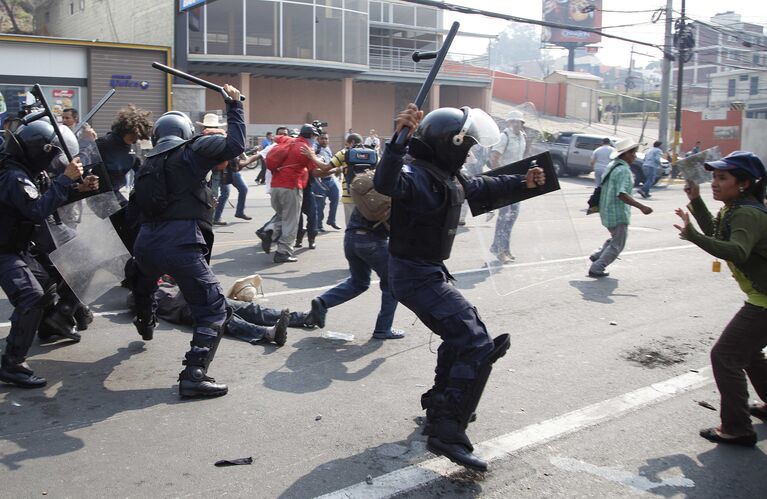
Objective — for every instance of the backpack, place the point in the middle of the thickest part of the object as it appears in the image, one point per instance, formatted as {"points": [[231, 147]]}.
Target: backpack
{"points": [[371, 204], [593, 201], [150, 189]]}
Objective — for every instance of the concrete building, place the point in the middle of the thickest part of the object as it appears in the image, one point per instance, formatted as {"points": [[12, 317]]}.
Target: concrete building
{"points": [[346, 62], [746, 89]]}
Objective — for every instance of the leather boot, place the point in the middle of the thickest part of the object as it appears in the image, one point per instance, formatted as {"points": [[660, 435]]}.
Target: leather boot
{"points": [[60, 323], [145, 324], [17, 372], [83, 317], [310, 238], [193, 380], [299, 239]]}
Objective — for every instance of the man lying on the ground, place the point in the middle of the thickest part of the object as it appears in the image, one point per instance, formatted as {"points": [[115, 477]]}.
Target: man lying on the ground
{"points": [[250, 322]]}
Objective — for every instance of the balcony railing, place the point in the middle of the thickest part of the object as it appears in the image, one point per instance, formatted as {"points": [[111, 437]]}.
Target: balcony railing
{"points": [[400, 60]]}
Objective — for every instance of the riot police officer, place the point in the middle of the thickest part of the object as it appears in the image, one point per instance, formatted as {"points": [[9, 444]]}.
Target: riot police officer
{"points": [[176, 211], [426, 196], [29, 150]]}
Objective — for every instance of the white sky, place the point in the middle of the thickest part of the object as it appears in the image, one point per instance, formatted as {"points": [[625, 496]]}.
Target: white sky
{"points": [[612, 52]]}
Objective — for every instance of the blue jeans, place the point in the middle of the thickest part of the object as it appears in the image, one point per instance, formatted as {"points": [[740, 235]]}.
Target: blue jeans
{"points": [[506, 218], [649, 177], [365, 252], [242, 195], [326, 188]]}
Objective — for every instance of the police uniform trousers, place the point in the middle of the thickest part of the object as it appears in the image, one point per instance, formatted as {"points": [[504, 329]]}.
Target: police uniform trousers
{"points": [[188, 267], [427, 290]]}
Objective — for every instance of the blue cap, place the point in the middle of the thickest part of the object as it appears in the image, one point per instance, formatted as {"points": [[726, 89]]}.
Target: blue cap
{"points": [[742, 160]]}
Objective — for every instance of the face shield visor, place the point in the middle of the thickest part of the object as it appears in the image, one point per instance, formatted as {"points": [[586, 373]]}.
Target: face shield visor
{"points": [[478, 125], [59, 160]]}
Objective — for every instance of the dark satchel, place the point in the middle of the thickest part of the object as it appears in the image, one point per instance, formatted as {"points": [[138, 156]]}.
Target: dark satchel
{"points": [[593, 201]]}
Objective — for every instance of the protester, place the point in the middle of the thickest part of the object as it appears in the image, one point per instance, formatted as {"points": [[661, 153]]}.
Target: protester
{"points": [[738, 235], [650, 168], [615, 204], [326, 187]]}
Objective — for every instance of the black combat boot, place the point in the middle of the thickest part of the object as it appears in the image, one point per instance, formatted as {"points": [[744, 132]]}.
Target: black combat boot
{"points": [[59, 322], [145, 324], [83, 317], [193, 380], [13, 369], [299, 238]]}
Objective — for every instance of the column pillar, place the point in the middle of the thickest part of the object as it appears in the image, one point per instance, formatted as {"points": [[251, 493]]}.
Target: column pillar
{"points": [[244, 87], [347, 97], [434, 96]]}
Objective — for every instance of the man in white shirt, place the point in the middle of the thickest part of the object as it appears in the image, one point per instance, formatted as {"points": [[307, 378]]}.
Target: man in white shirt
{"points": [[373, 141], [600, 158]]}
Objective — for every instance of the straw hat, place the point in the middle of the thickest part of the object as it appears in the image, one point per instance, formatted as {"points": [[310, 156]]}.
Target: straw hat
{"points": [[515, 116], [246, 289], [210, 120], [622, 146]]}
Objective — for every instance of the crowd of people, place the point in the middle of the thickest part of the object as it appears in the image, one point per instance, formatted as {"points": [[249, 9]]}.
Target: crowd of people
{"points": [[423, 175]]}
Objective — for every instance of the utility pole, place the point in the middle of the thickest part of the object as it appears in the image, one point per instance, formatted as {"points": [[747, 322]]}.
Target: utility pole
{"points": [[682, 43], [665, 85]]}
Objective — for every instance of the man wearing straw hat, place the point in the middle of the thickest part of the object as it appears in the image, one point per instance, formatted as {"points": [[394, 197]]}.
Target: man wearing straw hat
{"points": [[615, 204]]}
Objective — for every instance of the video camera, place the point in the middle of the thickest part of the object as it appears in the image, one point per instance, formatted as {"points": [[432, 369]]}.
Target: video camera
{"points": [[319, 125]]}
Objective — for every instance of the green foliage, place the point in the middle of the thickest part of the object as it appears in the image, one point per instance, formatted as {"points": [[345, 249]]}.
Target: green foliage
{"points": [[517, 43]]}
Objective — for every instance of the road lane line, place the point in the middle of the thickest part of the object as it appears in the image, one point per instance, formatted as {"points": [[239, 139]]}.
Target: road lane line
{"points": [[421, 474], [458, 272]]}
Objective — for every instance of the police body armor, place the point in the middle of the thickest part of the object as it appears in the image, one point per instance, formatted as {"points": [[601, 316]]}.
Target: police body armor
{"points": [[16, 232], [428, 236], [188, 198]]}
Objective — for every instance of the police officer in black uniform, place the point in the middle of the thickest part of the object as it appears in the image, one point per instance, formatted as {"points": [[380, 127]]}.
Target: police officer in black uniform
{"points": [[176, 239], [28, 151], [426, 196]]}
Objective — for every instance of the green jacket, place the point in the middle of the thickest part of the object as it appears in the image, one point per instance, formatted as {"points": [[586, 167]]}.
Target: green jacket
{"points": [[738, 235]]}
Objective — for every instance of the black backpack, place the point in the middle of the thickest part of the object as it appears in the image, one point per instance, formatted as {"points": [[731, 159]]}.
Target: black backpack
{"points": [[593, 201]]}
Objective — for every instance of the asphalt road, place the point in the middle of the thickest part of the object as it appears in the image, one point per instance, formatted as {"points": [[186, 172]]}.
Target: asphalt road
{"points": [[598, 396]]}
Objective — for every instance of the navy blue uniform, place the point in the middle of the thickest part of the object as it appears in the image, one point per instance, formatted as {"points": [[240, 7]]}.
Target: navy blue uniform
{"points": [[21, 203], [179, 247], [424, 286]]}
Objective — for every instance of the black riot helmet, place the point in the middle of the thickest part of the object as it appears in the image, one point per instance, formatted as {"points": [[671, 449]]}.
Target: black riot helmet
{"points": [[308, 131], [445, 136], [36, 145], [172, 127]]}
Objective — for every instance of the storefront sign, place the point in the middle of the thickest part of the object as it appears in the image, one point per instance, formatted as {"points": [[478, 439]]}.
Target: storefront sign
{"points": [[127, 81]]}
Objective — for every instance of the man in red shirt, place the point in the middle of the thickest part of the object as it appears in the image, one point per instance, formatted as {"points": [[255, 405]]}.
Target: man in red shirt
{"points": [[288, 180]]}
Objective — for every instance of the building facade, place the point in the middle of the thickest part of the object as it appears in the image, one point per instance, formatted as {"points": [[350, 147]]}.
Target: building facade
{"points": [[347, 62]]}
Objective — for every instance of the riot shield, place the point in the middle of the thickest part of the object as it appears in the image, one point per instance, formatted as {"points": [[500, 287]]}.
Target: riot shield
{"points": [[533, 240], [89, 253], [93, 261], [692, 167]]}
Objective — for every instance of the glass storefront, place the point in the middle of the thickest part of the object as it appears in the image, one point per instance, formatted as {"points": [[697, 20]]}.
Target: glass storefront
{"points": [[324, 30], [14, 97]]}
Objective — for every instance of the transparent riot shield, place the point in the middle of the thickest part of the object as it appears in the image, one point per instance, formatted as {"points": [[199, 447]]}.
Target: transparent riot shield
{"points": [[89, 253], [534, 241]]}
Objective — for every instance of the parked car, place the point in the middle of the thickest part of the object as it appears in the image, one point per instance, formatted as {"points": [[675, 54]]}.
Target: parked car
{"points": [[571, 152], [636, 169]]}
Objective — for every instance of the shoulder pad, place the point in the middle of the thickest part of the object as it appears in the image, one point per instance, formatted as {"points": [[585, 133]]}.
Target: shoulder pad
{"points": [[29, 187], [209, 146]]}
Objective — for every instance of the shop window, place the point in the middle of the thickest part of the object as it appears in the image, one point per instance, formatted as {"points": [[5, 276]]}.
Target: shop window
{"points": [[262, 28], [297, 31], [224, 33], [329, 31]]}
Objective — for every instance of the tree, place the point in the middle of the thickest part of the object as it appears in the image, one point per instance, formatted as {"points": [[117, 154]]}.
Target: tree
{"points": [[16, 17], [517, 43]]}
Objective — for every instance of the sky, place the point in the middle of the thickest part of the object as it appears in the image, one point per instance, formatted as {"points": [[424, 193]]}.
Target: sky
{"points": [[611, 52]]}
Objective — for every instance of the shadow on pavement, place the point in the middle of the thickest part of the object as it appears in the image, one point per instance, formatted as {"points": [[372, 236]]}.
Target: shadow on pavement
{"points": [[317, 362], [598, 290], [80, 400]]}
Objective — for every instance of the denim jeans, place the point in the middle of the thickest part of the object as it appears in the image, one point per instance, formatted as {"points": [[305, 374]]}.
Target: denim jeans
{"points": [[326, 188], [242, 195], [506, 218], [649, 177], [365, 252]]}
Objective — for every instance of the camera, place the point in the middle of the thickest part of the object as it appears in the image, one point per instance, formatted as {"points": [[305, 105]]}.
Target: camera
{"points": [[319, 125]]}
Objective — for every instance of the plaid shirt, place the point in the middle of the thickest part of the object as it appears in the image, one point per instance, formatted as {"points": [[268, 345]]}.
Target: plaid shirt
{"points": [[612, 210]]}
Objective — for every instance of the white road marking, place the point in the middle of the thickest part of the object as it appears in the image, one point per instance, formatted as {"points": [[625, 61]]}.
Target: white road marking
{"points": [[419, 475], [266, 296], [619, 476]]}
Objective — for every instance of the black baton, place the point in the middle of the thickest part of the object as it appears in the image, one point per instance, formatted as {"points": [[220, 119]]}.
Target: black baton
{"points": [[426, 86], [194, 79], [95, 110], [37, 91]]}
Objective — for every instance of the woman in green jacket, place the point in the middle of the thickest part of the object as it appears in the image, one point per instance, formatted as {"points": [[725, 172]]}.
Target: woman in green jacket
{"points": [[737, 235]]}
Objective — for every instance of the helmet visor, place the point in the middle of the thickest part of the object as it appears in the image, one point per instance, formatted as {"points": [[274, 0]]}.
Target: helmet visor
{"points": [[480, 127]]}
